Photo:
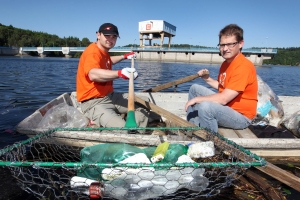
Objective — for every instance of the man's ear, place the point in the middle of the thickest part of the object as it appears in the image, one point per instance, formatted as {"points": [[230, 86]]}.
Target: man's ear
{"points": [[98, 34], [241, 43]]}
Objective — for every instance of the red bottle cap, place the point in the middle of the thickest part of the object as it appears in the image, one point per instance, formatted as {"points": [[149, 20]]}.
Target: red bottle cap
{"points": [[95, 190]]}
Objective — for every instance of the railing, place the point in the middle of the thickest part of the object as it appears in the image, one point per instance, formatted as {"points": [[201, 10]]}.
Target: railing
{"points": [[153, 49]]}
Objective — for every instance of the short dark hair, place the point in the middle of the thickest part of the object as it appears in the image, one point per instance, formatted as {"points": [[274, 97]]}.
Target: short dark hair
{"points": [[232, 29]]}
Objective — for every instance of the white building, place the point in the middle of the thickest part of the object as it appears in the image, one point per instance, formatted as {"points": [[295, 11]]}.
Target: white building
{"points": [[156, 30]]}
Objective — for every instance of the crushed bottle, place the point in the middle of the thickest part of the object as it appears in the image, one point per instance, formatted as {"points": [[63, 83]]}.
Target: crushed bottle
{"points": [[145, 184]]}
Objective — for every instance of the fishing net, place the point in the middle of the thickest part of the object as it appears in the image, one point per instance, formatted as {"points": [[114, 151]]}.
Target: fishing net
{"points": [[85, 163]]}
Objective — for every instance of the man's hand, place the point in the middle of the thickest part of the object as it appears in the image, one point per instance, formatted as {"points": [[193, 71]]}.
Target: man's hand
{"points": [[130, 55], [125, 73], [189, 103], [204, 73]]}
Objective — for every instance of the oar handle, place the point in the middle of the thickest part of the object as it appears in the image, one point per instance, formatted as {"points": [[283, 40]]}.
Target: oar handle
{"points": [[131, 89], [130, 121]]}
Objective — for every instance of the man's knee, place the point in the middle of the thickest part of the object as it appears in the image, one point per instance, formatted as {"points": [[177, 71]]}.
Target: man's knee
{"points": [[193, 87], [205, 106], [142, 117], [107, 116], [112, 121]]}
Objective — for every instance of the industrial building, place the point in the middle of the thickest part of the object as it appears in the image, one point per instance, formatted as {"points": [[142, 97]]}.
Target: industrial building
{"points": [[155, 30]]}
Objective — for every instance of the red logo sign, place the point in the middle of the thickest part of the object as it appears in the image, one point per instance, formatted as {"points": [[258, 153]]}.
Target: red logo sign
{"points": [[148, 26]]}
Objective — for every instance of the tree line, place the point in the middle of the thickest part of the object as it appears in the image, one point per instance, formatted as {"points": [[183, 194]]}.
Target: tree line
{"points": [[11, 36], [16, 37], [285, 56]]}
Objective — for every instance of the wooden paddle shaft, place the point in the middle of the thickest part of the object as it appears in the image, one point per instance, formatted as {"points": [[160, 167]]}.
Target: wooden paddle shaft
{"points": [[131, 89], [173, 83]]}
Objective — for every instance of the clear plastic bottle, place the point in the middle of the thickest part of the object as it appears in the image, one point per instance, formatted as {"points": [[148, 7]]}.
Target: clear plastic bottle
{"points": [[146, 184]]}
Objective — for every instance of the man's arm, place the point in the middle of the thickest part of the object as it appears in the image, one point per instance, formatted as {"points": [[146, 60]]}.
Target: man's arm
{"points": [[116, 59], [204, 74], [222, 98], [102, 75], [212, 82]]}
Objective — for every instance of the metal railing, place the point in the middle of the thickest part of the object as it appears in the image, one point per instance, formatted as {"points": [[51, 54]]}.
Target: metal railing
{"points": [[154, 49]]}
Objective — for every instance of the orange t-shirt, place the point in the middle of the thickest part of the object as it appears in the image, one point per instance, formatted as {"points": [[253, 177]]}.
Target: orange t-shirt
{"points": [[240, 75], [92, 57]]}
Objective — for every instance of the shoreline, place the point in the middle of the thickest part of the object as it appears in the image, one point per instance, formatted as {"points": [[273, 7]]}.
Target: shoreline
{"points": [[26, 55]]}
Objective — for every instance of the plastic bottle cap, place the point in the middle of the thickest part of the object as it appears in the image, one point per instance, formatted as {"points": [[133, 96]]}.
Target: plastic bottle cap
{"points": [[189, 144], [95, 190]]}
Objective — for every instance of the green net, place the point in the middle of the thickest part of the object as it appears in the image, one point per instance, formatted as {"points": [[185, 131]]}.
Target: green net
{"points": [[66, 163]]}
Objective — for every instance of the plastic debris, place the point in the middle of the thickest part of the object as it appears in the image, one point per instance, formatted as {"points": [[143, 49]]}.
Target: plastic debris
{"points": [[185, 159], [269, 107], [112, 173], [201, 150], [63, 116], [292, 123], [160, 152], [145, 184]]}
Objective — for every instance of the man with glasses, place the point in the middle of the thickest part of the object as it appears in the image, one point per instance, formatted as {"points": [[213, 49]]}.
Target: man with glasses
{"points": [[94, 82], [235, 103]]}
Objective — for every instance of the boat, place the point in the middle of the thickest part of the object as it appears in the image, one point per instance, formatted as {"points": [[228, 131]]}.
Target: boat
{"points": [[171, 107]]}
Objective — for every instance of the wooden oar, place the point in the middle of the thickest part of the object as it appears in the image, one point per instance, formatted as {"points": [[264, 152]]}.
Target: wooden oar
{"points": [[130, 121], [173, 83]]}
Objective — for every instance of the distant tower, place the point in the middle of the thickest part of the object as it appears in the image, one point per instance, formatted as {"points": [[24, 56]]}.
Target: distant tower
{"points": [[156, 30]]}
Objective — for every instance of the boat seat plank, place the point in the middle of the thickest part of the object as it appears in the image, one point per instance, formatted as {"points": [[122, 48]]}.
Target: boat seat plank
{"points": [[228, 133], [276, 152], [238, 133], [245, 133]]}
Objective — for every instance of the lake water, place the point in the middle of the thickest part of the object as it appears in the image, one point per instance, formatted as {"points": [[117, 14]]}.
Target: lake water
{"points": [[27, 83]]}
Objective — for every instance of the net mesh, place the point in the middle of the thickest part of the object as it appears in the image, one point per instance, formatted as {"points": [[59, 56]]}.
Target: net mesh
{"points": [[50, 164]]}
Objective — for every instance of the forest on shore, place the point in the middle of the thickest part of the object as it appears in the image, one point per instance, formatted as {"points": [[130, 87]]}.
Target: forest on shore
{"points": [[16, 37]]}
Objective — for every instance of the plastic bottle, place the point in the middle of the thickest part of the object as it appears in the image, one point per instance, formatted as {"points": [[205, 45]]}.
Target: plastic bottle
{"points": [[145, 184]]}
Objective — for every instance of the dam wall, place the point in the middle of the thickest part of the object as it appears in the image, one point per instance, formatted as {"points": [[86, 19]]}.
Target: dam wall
{"points": [[9, 51], [195, 57]]}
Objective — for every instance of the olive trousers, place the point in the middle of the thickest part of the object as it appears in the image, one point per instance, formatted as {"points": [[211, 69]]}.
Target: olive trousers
{"points": [[106, 111]]}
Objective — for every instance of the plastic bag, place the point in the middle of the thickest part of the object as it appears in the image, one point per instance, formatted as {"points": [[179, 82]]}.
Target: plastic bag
{"points": [[269, 106], [122, 153], [114, 172], [105, 153], [108, 153], [292, 123], [174, 152], [63, 116]]}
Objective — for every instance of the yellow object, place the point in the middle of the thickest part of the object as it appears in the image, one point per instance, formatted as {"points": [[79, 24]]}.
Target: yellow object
{"points": [[160, 152]]}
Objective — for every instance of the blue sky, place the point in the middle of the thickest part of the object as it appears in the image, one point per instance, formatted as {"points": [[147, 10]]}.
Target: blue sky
{"points": [[271, 23]]}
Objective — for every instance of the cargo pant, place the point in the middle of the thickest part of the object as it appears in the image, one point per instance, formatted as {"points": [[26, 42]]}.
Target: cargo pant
{"points": [[106, 111]]}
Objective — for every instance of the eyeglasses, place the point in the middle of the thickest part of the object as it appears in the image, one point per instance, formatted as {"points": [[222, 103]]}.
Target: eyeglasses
{"points": [[229, 45]]}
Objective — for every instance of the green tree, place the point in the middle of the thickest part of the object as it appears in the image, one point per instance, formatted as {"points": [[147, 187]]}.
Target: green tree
{"points": [[285, 56], [85, 42]]}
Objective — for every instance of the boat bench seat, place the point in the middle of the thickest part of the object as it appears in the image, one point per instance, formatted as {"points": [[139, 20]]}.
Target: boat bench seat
{"points": [[240, 133]]}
